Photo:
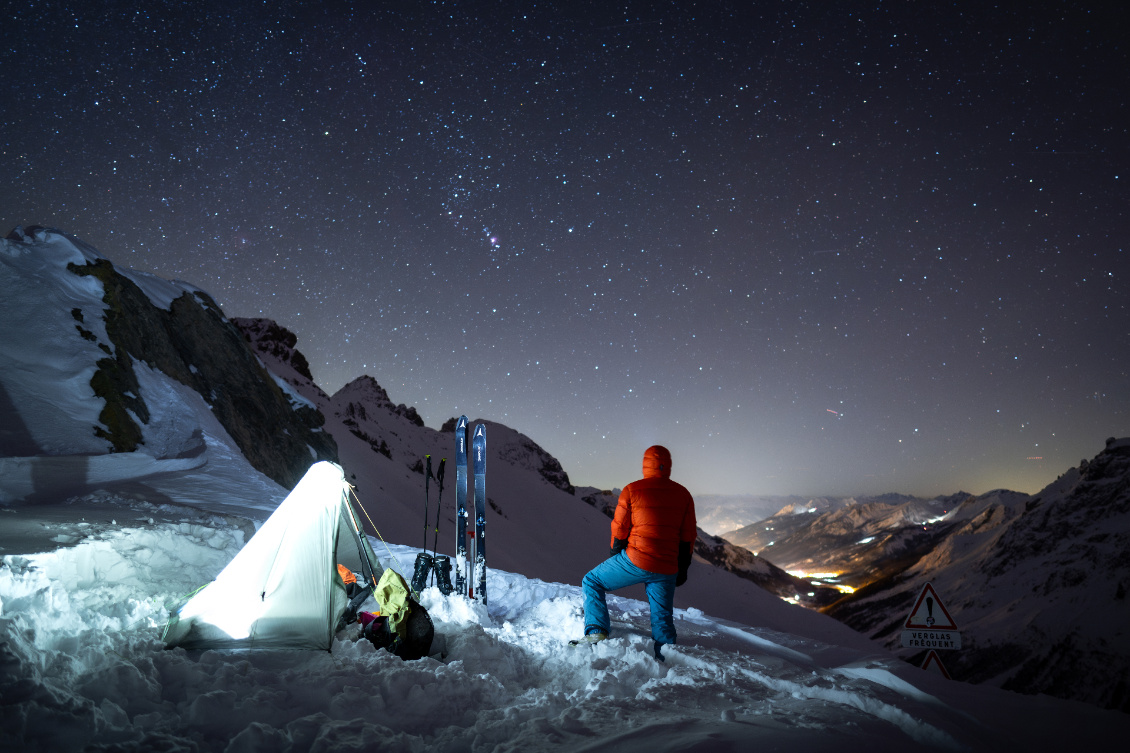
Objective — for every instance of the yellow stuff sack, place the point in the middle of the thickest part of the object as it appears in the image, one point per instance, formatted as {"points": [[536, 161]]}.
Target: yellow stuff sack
{"points": [[392, 594]]}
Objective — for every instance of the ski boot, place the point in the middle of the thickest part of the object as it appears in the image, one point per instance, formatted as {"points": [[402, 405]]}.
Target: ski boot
{"points": [[442, 565], [421, 572]]}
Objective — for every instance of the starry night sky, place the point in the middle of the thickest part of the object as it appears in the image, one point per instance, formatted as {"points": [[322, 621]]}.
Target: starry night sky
{"points": [[813, 248]]}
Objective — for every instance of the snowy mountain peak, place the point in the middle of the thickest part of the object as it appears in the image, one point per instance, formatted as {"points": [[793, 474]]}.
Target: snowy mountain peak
{"points": [[91, 349], [815, 505], [1111, 464], [364, 395]]}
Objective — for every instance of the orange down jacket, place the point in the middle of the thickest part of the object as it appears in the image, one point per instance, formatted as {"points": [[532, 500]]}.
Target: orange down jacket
{"points": [[654, 514]]}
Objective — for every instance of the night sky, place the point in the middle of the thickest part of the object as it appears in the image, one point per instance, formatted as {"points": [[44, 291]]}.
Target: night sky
{"points": [[813, 248]]}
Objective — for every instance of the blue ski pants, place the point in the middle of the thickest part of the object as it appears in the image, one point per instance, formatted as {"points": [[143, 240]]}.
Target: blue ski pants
{"points": [[619, 572]]}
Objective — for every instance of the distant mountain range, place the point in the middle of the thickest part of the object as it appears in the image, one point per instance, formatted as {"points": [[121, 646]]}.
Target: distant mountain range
{"points": [[845, 541]]}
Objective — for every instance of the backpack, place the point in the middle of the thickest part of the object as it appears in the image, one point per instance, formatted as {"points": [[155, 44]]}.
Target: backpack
{"points": [[403, 626]]}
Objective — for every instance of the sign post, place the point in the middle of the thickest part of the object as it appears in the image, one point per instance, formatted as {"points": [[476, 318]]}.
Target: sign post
{"points": [[931, 627]]}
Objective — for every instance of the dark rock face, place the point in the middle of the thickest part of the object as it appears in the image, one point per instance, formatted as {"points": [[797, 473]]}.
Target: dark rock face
{"points": [[605, 501], [194, 344], [1071, 527]]}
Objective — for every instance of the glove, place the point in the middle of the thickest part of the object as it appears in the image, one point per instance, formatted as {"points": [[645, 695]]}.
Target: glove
{"points": [[684, 562], [618, 545]]}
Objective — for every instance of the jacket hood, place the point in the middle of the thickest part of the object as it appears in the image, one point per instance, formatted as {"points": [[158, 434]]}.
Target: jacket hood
{"points": [[656, 462]]}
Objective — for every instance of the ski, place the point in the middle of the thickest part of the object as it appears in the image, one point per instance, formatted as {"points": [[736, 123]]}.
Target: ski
{"points": [[461, 505], [479, 449]]}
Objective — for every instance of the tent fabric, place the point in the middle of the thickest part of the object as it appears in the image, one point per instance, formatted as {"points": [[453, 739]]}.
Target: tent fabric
{"points": [[282, 590]]}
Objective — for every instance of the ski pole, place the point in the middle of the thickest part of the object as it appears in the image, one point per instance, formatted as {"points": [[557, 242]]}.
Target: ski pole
{"points": [[439, 505], [427, 475]]}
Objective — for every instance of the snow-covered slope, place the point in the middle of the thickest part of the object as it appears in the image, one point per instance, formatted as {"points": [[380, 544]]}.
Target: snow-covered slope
{"points": [[83, 668]]}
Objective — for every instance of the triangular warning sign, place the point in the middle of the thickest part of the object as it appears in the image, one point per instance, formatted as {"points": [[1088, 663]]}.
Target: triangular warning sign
{"points": [[934, 664], [929, 613]]}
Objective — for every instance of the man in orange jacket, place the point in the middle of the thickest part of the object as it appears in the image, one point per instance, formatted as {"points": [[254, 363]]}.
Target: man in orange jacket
{"points": [[653, 534]]}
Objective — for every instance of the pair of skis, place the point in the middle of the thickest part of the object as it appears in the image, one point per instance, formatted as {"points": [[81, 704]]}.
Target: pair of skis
{"points": [[474, 582]]}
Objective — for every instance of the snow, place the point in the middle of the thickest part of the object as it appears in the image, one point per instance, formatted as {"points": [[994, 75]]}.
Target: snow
{"points": [[84, 666], [89, 573], [296, 400], [160, 292], [45, 363]]}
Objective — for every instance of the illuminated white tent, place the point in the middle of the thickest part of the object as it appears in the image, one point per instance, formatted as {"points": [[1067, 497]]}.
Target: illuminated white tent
{"points": [[283, 590]]}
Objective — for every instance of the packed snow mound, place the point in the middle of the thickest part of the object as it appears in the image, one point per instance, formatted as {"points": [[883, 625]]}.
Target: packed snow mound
{"points": [[84, 668], [47, 359]]}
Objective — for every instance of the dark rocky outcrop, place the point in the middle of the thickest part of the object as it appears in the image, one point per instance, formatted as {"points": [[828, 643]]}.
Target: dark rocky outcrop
{"points": [[272, 338]]}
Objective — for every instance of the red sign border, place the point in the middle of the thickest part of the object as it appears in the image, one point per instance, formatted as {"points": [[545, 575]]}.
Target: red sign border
{"points": [[928, 588], [933, 658]]}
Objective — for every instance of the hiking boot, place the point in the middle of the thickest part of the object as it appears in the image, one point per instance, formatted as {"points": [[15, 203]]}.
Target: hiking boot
{"points": [[589, 639], [422, 571], [441, 563]]}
